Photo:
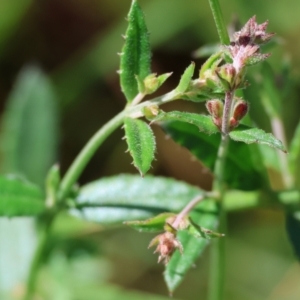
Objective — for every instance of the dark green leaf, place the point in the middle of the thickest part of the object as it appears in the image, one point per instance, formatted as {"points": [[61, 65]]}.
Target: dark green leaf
{"points": [[19, 198], [293, 229], [141, 143], [29, 127], [154, 224], [128, 197], [185, 79], [241, 171], [136, 53], [204, 123], [205, 215], [254, 135]]}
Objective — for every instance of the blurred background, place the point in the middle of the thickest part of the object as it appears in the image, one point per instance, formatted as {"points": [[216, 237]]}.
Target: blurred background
{"points": [[66, 52]]}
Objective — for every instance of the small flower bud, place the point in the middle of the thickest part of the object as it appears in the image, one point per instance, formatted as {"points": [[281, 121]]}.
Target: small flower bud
{"points": [[151, 111], [226, 75], [215, 109], [240, 109], [166, 245]]}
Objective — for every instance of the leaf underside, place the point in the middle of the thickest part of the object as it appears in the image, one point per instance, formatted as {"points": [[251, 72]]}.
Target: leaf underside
{"points": [[141, 143]]}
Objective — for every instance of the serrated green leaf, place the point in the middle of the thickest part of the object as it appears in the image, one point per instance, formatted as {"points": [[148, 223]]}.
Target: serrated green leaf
{"points": [[241, 171], [204, 123], [29, 127], [19, 198], [154, 224], [130, 197], [185, 79], [136, 53], [176, 269], [141, 143], [254, 135]]}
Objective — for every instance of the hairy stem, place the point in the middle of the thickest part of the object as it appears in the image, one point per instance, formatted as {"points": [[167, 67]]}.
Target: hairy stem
{"points": [[187, 209], [217, 264], [219, 20]]}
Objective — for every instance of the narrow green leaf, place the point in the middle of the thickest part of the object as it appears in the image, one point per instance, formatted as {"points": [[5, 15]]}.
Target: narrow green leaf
{"points": [[201, 232], [185, 79], [154, 224], [254, 135], [211, 63], [130, 197], [19, 198], [204, 123], [205, 215], [136, 53], [241, 170], [29, 127], [294, 153], [141, 143]]}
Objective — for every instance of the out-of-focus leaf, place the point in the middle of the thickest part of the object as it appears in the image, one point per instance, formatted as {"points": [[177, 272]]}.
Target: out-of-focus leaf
{"points": [[293, 229], [11, 14], [154, 224], [240, 170], [205, 215], [204, 123], [19, 198], [185, 79], [294, 153], [254, 135], [136, 52], [141, 143], [128, 197], [29, 127], [269, 93], [206, 50]]}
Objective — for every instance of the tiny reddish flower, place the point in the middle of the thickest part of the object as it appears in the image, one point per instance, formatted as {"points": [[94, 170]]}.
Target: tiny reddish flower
{"points": [[166, 245]]}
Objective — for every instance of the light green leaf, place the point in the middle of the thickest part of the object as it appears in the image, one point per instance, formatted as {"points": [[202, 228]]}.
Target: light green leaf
{"points": [[154, 224], [201, 232], [141, 143], [19, 198], [204, 123], [136, 53], [185, 79], [29, 127], [205, 215], [254, 135], [130, 197]]}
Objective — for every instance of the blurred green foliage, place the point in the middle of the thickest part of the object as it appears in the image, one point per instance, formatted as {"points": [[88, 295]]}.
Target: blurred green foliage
{"points": [[75, 43]]}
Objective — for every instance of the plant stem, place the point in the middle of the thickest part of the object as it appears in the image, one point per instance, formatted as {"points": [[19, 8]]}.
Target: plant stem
{"points": [[217, 264], [37, 259], [187, 209], [86, 154], [219, 21]]}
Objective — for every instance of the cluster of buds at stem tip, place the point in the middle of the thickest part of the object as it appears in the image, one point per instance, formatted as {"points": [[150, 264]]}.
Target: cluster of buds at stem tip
{"points": [[238, 111]]}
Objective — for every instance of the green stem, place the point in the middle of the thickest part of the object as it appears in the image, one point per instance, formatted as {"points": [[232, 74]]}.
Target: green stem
{"points": [[86, 154], [219, 20], [217, 264], [37, 259]]}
